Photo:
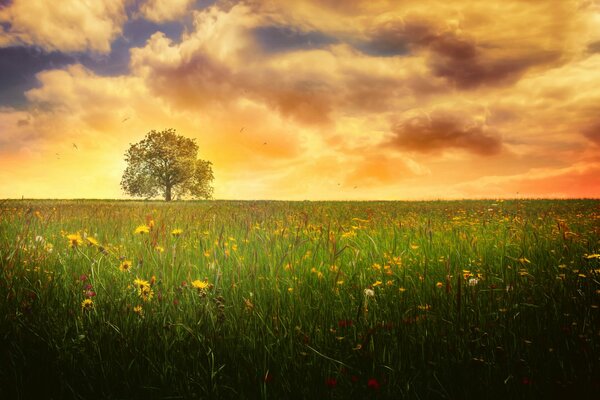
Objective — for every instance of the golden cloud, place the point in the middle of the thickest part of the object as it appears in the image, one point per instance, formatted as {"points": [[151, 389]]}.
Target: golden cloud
{"points": [[72, 25]]}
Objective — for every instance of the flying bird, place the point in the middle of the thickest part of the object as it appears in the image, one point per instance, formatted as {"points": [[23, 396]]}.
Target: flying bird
{"points": [[125, 119], [76, 148], [242, 129], [264, 143]]}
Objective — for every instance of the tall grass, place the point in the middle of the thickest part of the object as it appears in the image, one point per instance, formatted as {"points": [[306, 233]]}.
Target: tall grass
{"points": [[470, 299]]}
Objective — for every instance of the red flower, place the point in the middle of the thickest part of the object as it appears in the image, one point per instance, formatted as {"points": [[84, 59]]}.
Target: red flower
{"points": [[331, 382], [344, 323], [268, 377], [373, 384], [354, 378]]}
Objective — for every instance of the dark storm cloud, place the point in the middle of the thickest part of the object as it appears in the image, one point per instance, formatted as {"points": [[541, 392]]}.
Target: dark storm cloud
{"points": [[459, 59], [274, 39], [443, 130], [18, 66]]}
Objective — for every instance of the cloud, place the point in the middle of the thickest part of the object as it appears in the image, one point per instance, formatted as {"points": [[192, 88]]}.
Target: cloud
{"points": [[441, 130], [592, 132], [164, 10], [454, 56], [72, 26]]}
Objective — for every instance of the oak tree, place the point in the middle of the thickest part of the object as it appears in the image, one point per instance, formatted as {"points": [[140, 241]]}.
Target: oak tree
{"points": [[166, 164]]}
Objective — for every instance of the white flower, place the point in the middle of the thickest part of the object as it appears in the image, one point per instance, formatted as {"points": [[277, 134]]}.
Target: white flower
{"points": [[369, 293], [473, 281]]}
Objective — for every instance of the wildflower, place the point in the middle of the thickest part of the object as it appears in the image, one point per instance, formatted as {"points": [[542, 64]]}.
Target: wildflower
{"points": [[146, 293], [369, 293], [125, 265], [176, 232], [142, 229], [373, 384], [89, 293], [331, 382], [344, 323], [376, 283], [143, 288], [290, 289], [199, 285], [426, 307], [160, 249], [138, 310], [402, 289], [268, 377], [74, 240], [87, 304], [591, 256], [91, 241], [439, 285], [473, 281]]}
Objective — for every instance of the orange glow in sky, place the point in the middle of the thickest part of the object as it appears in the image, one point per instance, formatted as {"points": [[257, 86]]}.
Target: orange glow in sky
{"points": [[306, 99]]}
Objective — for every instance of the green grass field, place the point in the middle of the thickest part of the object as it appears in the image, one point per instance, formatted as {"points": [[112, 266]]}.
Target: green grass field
{"points": [[225, 299]]}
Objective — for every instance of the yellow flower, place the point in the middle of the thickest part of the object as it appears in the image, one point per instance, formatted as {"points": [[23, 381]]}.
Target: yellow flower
{"points": [[439, 285], [200, 285], [176, 232], [160, 249], [142, 229], [91, 241], [87, 304], [138, 310], [402, 289], [376, 283], [590, 256], [74, 239], [125, 265], [426, 307], [140, 283]]}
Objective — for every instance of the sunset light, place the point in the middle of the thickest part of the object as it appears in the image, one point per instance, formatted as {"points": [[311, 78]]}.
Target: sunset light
{"points": [[306, 99]]}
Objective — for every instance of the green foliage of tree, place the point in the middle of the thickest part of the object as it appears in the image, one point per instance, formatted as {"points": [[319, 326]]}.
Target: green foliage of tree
{"points": [[166, 164]]}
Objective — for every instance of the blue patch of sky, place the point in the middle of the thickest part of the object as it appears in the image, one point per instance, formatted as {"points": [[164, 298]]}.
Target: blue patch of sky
{"points": [[135, 34], [18, 66], [276, 39], [382, 48]]}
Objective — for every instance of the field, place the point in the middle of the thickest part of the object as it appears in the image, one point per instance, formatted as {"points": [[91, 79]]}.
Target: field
{"points": [[224, 299]]}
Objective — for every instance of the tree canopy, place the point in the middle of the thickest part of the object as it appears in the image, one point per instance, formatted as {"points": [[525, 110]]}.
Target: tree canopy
{"points": [[166, 164]]}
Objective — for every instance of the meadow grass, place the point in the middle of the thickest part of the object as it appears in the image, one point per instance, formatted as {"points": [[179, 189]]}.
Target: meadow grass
{"points": [[231, 299]]}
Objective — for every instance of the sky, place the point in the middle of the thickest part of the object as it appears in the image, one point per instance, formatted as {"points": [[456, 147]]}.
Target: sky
{"points": [[306, 99]]}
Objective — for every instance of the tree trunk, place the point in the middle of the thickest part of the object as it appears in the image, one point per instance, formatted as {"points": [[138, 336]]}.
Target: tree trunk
{"points": [[168, 193]]}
